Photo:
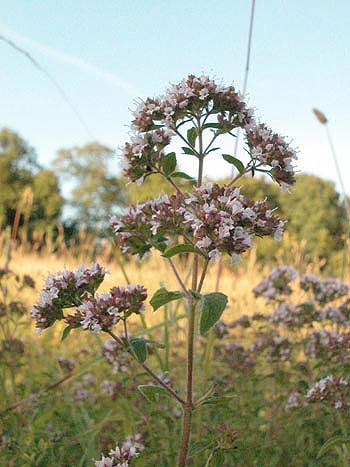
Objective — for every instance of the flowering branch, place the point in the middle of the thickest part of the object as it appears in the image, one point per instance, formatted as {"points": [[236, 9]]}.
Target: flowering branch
{"points": [[148, 370]]}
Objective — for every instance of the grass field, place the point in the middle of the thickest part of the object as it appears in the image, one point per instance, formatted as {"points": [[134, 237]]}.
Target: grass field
{"points": [[56, 412]]}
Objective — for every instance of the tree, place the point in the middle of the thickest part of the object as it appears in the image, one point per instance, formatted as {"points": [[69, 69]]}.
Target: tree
{"points": [[313, 210], [316, 214], [153, 187], [96, 192], [18, 163], [25, 188], [47, 204]]}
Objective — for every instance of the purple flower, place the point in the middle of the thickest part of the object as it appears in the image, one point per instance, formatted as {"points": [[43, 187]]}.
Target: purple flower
{"points": [[332, 390], [158, 119], [65, 290], [214, 219], [268, 149], [276, 284], [324, 290], [121, 456], [101, 312]]}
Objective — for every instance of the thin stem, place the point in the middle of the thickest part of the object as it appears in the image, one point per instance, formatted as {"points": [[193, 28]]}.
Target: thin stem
{"points": [[246, 71], [34, 396], [237, 177], [187, 142], [148, 370], [123, 270], [204, 272], [171, 181], [164, 385], [340, 178], [211, 142], [125, 330], [175, 271], [188, 407]]}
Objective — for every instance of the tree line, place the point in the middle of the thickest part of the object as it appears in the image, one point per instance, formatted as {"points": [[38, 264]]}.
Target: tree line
{"points": [[31, 195]]}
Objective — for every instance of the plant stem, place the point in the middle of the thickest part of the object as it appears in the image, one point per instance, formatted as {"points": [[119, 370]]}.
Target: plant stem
{"points": [[148, 370], [204, 272], [182, 285], [188, 407]]}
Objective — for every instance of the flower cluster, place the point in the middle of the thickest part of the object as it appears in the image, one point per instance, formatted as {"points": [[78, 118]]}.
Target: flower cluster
{"points": [[338, 314], [122, 456], [145, 153], [293, 401], [115, 355], [276, 283], [190, 96], [156, 120], [325, 290], [92, 311], [278, 347], [331, 389], [324, 343], [101, 312], [270, 149], [85, 390], [237, 357], [111, 388], [214, 219], [65, 290], [290, 315]]}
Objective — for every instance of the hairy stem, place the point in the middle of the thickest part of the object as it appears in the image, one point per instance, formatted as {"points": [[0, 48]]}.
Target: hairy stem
{"points": [[204, 272], [177, 275], [188, 407], [148, 370]]}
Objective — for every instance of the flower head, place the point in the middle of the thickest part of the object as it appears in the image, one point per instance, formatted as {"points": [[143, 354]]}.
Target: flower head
{"points": [[65, 290], [214, 219]]}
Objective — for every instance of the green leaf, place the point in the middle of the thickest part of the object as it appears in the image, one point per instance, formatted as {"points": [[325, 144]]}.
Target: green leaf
{"points": [[66, 332], [333, 442], [189, 151], [163, 296], [169, 163], [139, 346], [211, 150], [153, 393], [213, 307], [181, 248], [236, 162], [192, 136], [212, 125], [182, 175], [212, 400]]}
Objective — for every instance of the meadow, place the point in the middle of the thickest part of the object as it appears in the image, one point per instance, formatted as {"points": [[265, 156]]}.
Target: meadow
{"points": [[63, 403]]}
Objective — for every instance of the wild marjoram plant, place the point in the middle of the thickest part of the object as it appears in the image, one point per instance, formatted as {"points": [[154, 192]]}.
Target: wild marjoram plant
{"points": [[211, 221]]}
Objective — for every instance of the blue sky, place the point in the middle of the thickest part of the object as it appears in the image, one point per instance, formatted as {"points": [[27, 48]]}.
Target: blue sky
{"points": [[107, 53]]}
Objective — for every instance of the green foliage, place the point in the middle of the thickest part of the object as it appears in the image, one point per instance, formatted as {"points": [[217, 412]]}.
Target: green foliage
{"points": [[153, 393], [313, 209], [234, 161], [25, 187], [48, 202], [139, 347], [97, 193], [213, 306], [181, 248], [162, 296], [314, 213]]}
